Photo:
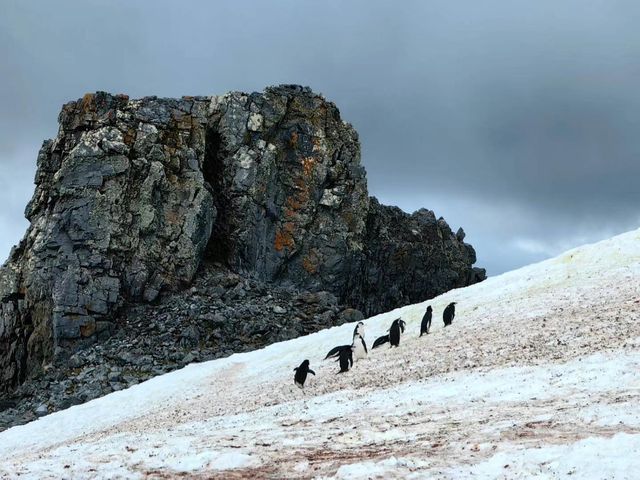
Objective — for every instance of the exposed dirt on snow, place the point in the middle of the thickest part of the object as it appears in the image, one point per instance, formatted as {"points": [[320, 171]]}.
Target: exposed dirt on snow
{"points": [[547, 356]]}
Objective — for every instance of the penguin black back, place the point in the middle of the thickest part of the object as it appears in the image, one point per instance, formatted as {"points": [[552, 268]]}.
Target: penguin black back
{"points": [[449, 313], [335, 351], [346, 360], [426, 321], [397, 327], [359, 330], [301, 374], [380, 341]]}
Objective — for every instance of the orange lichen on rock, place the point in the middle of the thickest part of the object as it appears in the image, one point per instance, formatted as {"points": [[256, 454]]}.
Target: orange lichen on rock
{"points": [[87, 104], [293, 204], [307, 165], [310, 262], [284, 237]]}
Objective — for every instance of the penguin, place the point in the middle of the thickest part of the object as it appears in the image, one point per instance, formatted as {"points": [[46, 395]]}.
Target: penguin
{"points": [[359, 348], [397, 328], [449, 313], [301, 374], [335, 351], [380, 341], [346, 360], [426, 321], [359, 330]]}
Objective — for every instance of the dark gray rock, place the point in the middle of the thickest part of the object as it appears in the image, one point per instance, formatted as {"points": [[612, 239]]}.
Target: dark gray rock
{"points": [[190, 337], [42, 410], [118, 214], [136, 199], [350, 315], [408, 258]]}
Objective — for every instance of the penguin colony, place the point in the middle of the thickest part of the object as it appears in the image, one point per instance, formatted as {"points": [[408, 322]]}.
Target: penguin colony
{"points": [[346, 355]]}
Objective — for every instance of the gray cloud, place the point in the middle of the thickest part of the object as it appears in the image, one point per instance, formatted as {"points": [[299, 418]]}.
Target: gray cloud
{"points": [[517, 120]]}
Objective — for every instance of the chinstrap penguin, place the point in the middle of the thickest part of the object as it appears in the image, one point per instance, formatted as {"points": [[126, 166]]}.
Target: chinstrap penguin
{"points": [[301, 374], [426, 321], [397, 328], [346, 360], [449, 313]]}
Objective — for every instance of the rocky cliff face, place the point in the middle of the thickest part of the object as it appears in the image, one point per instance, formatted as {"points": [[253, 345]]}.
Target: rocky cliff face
{"points": [[133, 196], [409, 258]]}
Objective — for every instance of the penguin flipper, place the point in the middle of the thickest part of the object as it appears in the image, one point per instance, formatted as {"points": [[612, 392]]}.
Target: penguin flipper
{"points": [[380, 341], [312, 372], [335, 351]]}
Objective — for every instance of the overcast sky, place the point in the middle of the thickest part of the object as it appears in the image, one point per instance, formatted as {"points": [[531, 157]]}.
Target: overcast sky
{"points": [[518, 120]]}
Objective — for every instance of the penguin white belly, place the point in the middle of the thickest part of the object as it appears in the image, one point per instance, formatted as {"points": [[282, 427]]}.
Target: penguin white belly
{"points": [[359, 352]]}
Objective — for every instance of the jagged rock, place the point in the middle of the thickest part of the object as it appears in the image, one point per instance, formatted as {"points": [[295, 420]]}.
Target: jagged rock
{"points": [[134, 196], [409, 258], [120, 211]]}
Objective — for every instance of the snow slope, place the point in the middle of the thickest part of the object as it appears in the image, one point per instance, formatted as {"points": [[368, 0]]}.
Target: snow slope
{"points": [[538, 377]]}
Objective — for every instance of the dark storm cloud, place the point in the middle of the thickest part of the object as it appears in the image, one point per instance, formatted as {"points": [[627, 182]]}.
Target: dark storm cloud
{"points": [[518, 120]]}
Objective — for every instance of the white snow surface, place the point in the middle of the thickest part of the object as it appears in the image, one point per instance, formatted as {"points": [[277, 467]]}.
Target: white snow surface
{"points": [[538, 377]]}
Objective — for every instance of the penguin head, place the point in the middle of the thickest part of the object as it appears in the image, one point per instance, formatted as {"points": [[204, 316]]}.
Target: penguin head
{"points": [[429, 309], [305, 364]]}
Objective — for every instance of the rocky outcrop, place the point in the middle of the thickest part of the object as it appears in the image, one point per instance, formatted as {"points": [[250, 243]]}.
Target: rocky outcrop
{"points": [[289, 187], [409, 258], [132, 196], [120, 211], [220, 314]]}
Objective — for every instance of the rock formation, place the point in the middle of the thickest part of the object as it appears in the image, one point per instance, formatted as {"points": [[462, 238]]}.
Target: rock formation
{"points": [[133, 196]]}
